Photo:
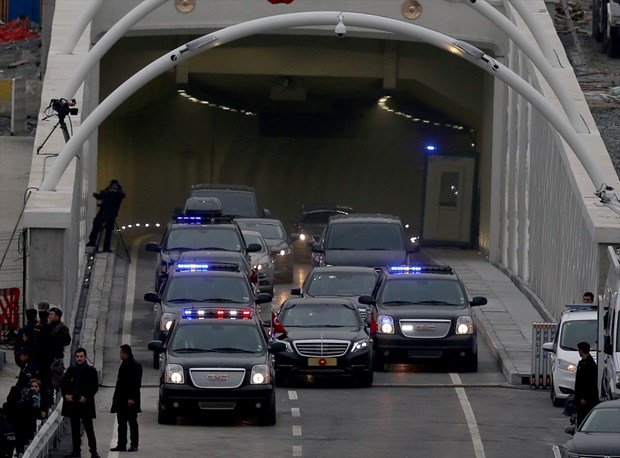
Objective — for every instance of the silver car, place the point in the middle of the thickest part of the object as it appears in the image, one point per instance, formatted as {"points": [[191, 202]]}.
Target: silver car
{"points": [[261, 261]]}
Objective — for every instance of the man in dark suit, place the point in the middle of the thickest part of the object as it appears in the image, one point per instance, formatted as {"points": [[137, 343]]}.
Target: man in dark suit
{"points": [[586, 382], [79, 386], [126, 400]]}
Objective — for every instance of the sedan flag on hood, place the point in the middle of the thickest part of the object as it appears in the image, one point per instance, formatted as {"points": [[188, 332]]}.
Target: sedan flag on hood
{"points": [[276, 326]]}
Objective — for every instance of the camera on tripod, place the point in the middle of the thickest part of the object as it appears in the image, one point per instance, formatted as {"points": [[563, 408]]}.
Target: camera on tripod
{"points": [[63, 106]]}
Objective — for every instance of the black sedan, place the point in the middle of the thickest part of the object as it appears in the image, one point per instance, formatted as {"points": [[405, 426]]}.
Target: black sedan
{"points": [[598, 435], [325, 337], [339, 281]]}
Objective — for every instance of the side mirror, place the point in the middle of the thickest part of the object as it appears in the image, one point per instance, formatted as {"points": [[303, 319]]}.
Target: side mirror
{"points": [[366, 299], [316, 247], [263, 298], [153, 246], [413, 248], [478, 300], [570, 430], [253, 248], [266, 213], [548, 346], [156, 345], [296, 291], [277, 347], [152, 297]]}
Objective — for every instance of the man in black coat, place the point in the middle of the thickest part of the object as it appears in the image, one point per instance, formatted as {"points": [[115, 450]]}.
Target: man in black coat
{"points": [[110, 203], [586, 382], [126, 400], [78, 388]]}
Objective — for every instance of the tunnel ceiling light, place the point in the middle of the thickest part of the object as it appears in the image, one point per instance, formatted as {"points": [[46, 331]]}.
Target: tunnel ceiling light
{"points": [[383, 104], [183, 93]]}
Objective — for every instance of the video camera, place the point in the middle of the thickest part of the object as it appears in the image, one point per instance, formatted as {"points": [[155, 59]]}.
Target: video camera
{"points": [[63, 106]]}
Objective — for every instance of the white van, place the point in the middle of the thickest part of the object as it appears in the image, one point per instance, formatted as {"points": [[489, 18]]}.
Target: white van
{"points": [[610, 326], [578, 323]]}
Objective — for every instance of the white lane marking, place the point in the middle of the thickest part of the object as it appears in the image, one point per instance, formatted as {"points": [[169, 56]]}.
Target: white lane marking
{"points": [[469, 416], [295, 411], [131, 291], [297, 431], [292, 395], [297, 450]]}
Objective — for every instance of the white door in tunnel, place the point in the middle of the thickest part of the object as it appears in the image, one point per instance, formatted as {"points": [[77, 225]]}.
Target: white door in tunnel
{"points": [[448, 200]]}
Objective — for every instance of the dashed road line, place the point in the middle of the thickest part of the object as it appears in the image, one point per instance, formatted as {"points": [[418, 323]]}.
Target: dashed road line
{"points": [[297, 450], [296, 431], [292, 395], [295, 412]]}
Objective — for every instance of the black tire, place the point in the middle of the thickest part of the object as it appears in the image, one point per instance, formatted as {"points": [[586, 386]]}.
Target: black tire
{"points": [[471, 363], [267, 414], [596, 20], [163, 417], [554, 399], [365, 380], [378, 364], [155, 360], [613, 46]]}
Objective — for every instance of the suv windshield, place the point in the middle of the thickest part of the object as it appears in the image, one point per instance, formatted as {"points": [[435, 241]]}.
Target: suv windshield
{"points": [[342, 284], [207, 289], [575, 331], [234, 203], [214, 336], [202, 239], [267, 230], [365, 236], [423, 291]]}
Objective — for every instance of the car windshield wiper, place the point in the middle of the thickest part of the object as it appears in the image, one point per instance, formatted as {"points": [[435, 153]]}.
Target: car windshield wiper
{"points": [[399, 302], [184, 299], [212, 248], [190, 349], [231, 350], [179, 248], [434, 302], [221, 299]]}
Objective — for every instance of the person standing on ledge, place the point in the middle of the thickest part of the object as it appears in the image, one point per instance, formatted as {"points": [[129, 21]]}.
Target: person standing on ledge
{"points": [[110, 203]]}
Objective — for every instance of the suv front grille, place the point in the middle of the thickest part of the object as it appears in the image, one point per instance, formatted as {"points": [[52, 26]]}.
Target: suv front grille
{"points": [[320, 347], [217, 378], [425, 329]]}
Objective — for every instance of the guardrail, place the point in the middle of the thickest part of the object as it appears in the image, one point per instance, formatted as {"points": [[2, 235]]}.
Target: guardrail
{"points": [[48, 436]]}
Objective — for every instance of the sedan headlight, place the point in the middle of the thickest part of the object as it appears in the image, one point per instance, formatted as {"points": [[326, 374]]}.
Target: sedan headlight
{"points": [[464, 325], [386, 324], [302, 237], [174, 374], [260, 375], [166, 321], [284, 252], [359, 345], [566, 366]]}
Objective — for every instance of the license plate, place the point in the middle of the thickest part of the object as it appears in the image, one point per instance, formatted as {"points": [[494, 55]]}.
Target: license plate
{"points": [[322, 362]]}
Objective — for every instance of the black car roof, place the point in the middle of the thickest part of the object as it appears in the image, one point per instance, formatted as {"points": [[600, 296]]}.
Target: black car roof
{"points": [[310, 208], [320, 300], [363, 218], [259, 220], [232, 187]]}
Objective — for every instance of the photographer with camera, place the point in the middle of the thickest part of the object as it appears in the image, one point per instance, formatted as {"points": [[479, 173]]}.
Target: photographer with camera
{"points": [[110, 202]]}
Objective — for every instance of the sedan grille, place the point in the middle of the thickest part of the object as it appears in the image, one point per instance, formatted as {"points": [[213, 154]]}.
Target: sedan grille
{"points": [[217, 378], [425, 329], [320, 347]]}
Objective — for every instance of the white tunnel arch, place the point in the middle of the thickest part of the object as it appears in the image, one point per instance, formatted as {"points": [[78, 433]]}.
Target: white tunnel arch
{"points": [[322, 18]]}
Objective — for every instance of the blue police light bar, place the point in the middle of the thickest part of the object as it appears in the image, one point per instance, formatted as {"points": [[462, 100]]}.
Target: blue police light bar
{"points": [[205, 267], [418, 269], [191, 219], [405, 269], [215, 313], [431, 148]]}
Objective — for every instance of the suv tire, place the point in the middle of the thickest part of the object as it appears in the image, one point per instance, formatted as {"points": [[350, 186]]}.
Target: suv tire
{"points": [[163, 417], [267, 414]]}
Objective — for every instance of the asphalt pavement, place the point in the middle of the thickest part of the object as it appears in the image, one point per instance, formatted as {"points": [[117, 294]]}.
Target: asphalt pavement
{"points": [[505, 322]]}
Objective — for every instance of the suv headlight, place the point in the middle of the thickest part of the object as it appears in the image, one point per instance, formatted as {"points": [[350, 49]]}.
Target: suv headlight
{"points": [[566, 366], [359, 345], [166, 321], [386, 324], [260, 375], [464, 325], [174, 374], [285, 252]]}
